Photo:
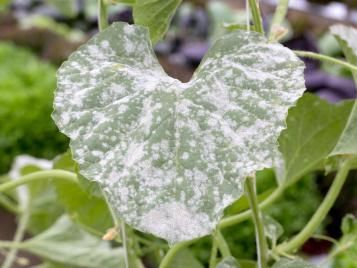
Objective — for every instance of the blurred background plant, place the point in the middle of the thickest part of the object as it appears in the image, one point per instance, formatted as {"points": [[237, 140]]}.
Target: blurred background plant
{"points": [[36, 36]]}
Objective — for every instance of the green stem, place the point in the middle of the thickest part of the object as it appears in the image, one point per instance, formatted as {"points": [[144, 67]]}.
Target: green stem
{"points": [[222, 244], [9, 205], [317, 56], [125, 245], [19, 235], [10, 244], [278, 18], [257, 17], [262, 245], [296, 242], [40, 175], [233, 220], [213, 258], [102, 15]]}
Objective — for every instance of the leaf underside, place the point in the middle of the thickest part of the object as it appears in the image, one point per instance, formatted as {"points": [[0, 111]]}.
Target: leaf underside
{"points": [[170, 156]]}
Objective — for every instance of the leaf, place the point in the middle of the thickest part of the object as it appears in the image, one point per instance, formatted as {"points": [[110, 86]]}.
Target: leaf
{"points": [[349, 225], [65, 243], [346, 251], [273, 229], [171, 156], [156, 15], [38, 196], [228, 262], [347, 36], [66, 7], [295, 263], [313, 128], [88, 210], [185, 258]]}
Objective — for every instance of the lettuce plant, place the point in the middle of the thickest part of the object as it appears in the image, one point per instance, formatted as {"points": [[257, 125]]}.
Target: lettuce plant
{"points": [[166, 158]]}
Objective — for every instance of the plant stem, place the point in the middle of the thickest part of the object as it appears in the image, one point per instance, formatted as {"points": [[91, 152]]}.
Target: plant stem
{"points": [[317, 56], [9, 205], [40, 175], [320, 213], [222, 244], [213, 258], [279, 16], [232, 220], [10, 244], [125, 246], [102, 15], [262, 245], [19, 235], [257, 18]]}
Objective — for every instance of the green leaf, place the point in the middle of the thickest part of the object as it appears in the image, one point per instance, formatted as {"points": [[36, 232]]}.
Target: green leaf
{"points": [[66, 7], [346, 36], [346, 250], [65, 243], [313, 128], [169, 155], [349, 225], [295, 263], [273, 229], [156, 15], [38, 196], [185, 258], [90, 211], [228, 262]]}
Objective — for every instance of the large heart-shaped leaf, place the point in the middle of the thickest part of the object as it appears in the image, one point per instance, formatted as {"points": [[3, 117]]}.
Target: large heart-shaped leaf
{"points": [[169, 155]]}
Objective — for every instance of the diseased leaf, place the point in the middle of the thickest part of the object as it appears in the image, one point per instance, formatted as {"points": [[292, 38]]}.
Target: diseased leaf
{"points": [[65, 243], [313, 128], [156, 15], [169, 155], [228, 262], [295, 263], [347, 37]]}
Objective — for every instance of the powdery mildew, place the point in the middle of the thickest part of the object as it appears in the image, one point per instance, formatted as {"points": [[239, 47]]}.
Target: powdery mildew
{"points": [[170, 155]]}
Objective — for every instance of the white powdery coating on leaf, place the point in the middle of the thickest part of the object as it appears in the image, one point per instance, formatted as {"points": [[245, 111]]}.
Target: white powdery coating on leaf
{"points": [[171, 156], [162, 220]]}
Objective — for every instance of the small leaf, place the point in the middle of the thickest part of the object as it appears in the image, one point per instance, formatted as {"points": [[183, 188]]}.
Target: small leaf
{"points": [[228, 262], [295, 263], [38, 196], [349, 225], [313, 128], [273, 229], [346, 37], [156, 15], [88, 210], [171, 156], [65, 243], [185, 258]]}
